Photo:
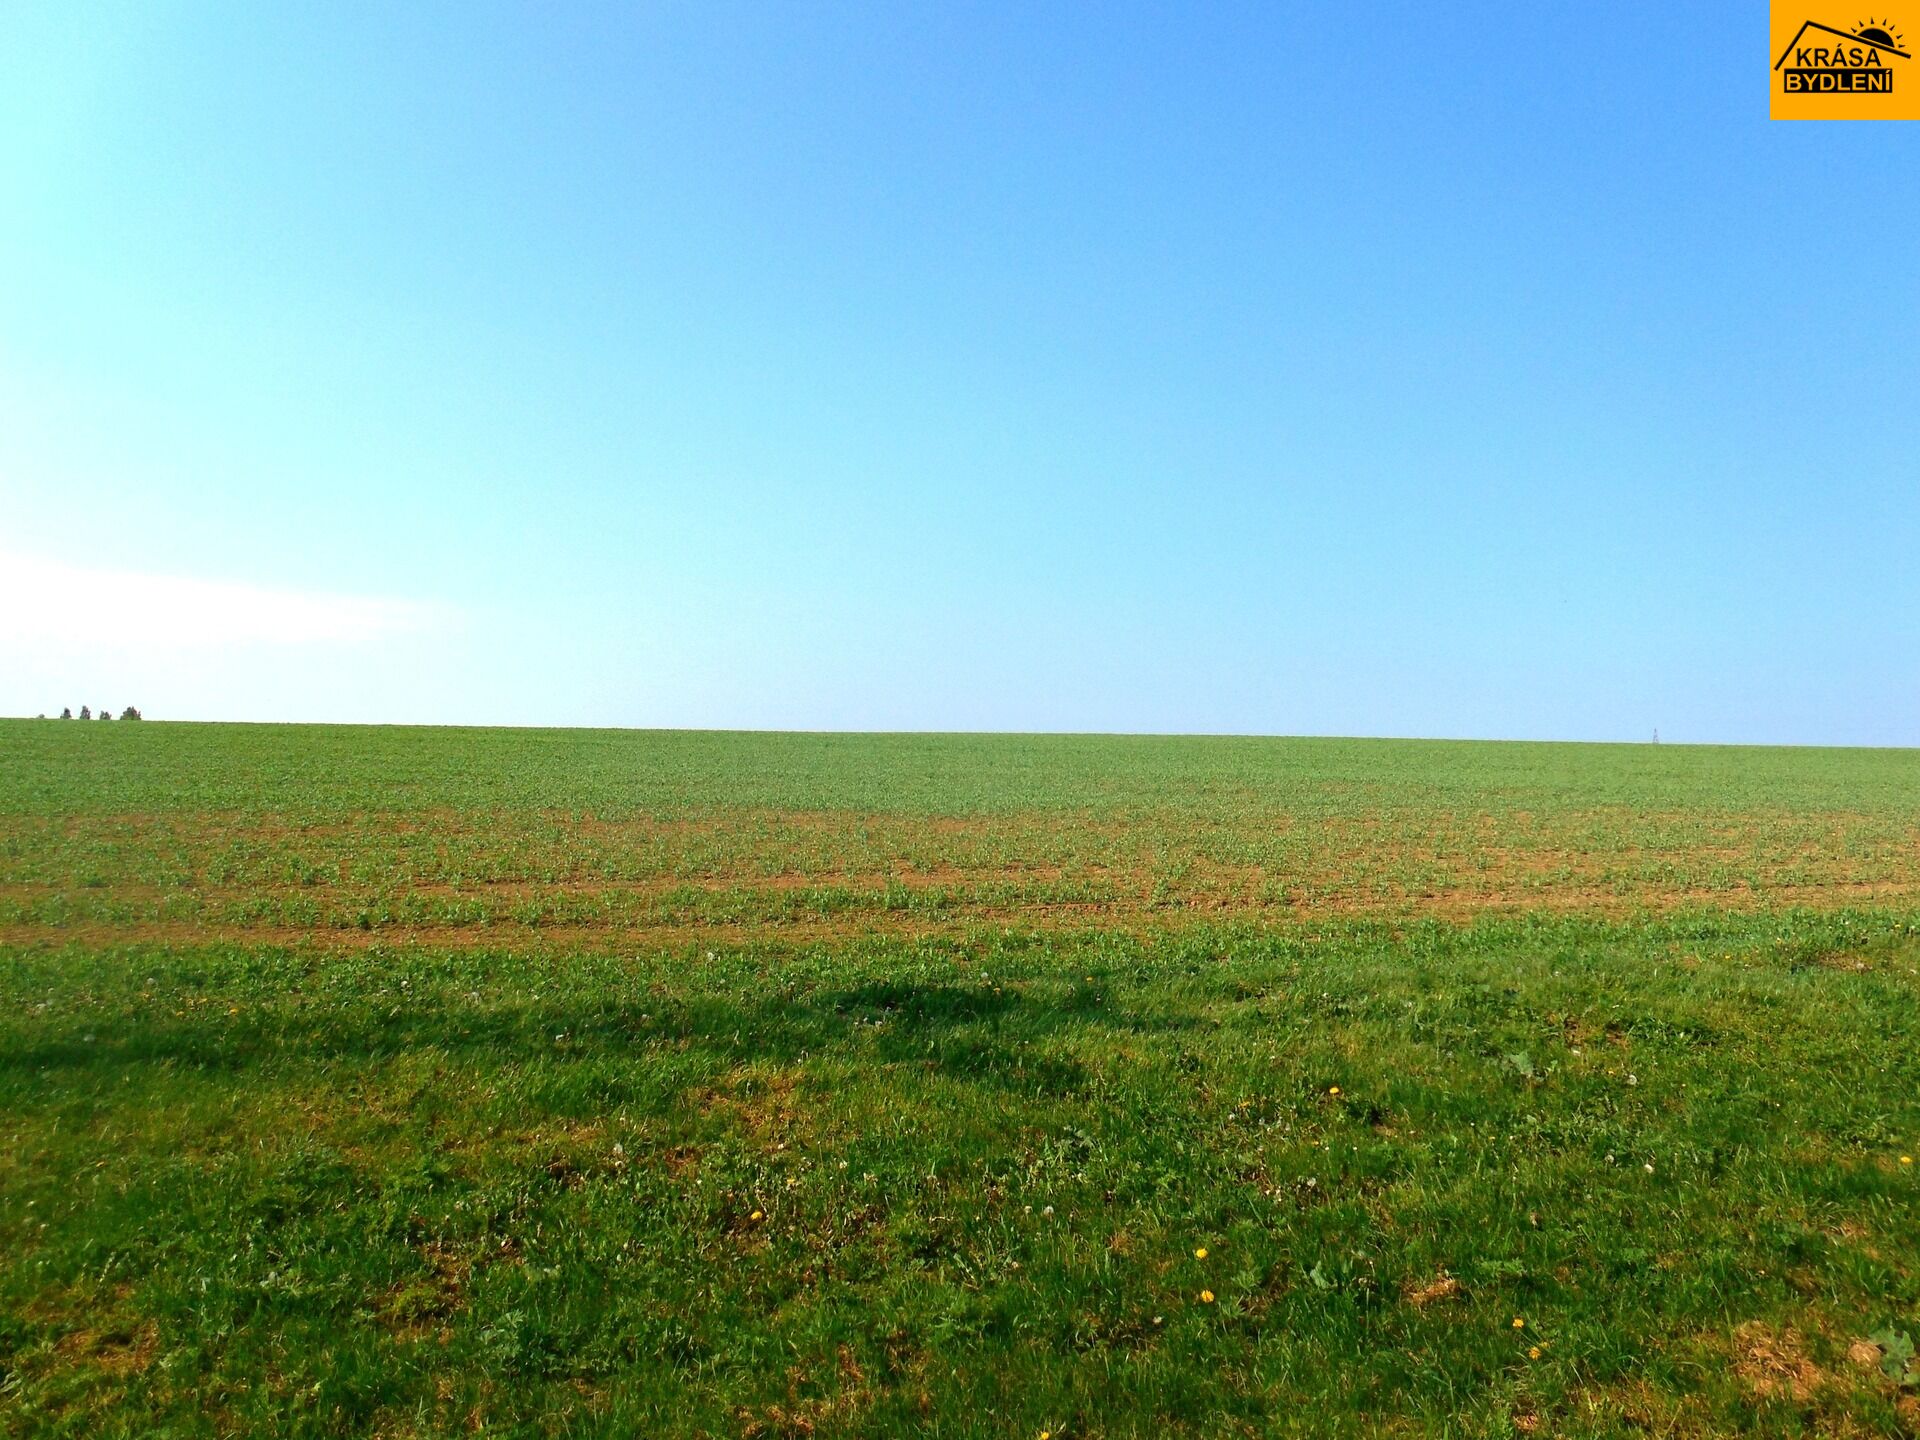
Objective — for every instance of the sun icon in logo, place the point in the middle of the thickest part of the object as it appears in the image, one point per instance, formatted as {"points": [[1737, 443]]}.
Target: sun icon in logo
{"points": [[1880, 32]]}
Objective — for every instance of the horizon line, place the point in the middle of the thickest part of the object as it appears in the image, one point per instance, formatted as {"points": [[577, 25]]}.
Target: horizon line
{"points": [[1649, 744]]}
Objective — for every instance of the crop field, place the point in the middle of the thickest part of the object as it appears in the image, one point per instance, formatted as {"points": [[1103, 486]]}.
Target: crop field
{"points": [[435, 1082]]}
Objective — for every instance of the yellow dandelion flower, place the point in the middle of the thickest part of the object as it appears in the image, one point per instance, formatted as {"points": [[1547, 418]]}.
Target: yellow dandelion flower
{"points": [[1533, 1353], [1906, 1159], [1518, 1323], [1201, 1253], [1206, 1297], [756, 1216], [1333, 1090]]}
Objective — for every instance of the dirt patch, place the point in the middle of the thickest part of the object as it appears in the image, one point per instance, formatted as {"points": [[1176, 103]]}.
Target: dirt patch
{"points": [[112, 1352], [1773, 1362], [679, 1160], [768, 1108], [1436, 1291], [1864, 1355], [803, 1415]]}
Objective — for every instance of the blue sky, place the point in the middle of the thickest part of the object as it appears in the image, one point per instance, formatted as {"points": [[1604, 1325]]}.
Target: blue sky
{"points": [[1500, 372]]}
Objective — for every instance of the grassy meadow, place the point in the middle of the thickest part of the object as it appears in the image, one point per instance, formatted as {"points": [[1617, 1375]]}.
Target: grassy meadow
{"points": [[434, 1082]]}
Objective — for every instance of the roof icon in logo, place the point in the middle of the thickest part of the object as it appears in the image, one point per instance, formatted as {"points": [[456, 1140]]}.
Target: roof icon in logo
{"points": [[1877, 35]]}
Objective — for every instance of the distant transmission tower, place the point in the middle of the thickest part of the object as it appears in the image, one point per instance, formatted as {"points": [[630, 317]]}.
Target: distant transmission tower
{"points": [[1656, 737]]}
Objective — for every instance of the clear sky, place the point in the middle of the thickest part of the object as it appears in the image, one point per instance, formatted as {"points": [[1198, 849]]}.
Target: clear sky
{"points": [[1436, 370]]}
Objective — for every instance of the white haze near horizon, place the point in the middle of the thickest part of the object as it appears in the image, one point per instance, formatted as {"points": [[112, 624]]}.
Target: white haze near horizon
{"points": [[207, 647], [180, 646]]}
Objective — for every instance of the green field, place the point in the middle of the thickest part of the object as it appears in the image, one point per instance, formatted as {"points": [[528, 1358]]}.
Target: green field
{"points": [[417, 1082]]}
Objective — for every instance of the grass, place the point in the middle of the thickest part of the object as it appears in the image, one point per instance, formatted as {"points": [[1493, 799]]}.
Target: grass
{"points": [[430, 1082]]}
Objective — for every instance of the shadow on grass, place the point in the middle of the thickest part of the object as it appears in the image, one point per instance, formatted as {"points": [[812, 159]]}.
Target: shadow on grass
{"points": [[974, 1033]]}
